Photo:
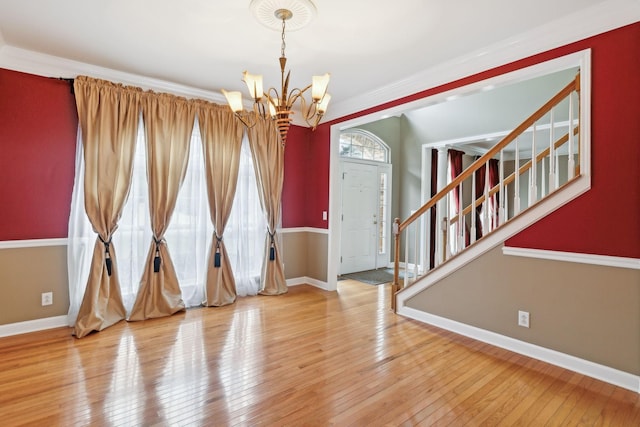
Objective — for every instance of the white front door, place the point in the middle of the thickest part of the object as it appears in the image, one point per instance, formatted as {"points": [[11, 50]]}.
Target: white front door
{"points": [[359, 217]]}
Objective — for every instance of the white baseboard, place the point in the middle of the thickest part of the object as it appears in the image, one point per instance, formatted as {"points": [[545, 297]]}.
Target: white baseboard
{"points": [[585, 367], [308, 281], [610, 261], [32, 326]]}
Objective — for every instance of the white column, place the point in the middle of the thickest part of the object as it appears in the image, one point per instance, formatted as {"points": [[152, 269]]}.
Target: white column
{"points": [[441, 207], [425, 221]]}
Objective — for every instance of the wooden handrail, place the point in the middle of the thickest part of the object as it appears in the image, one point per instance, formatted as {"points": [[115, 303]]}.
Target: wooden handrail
{"points": [[562, 94], [399, 226], [521, 170]]}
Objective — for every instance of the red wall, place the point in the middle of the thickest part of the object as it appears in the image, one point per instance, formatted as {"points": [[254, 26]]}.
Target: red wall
{"points": [[605, 220], [38, 125], [306, 178], [38, 129], [294, 187], [317, 195]]}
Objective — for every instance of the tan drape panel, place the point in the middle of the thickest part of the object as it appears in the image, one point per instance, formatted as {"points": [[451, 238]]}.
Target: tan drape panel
{"points": [[168, 122], [221, 136], [268, 159], [108, 116]]}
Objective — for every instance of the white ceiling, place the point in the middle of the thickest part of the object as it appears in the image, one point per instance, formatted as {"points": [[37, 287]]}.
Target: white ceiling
{"points": [[366, 45]]}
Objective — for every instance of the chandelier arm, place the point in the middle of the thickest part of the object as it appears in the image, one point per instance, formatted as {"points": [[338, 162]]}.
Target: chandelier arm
{"points": [[271, 96], [297, 93], [303, 90]]}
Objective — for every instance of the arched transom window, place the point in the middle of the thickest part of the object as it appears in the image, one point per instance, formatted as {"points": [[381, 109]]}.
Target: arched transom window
{"points": [[360, 144]]}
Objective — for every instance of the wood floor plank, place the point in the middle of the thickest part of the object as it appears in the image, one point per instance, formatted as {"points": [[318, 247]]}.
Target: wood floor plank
{"points": [[309, 357]]}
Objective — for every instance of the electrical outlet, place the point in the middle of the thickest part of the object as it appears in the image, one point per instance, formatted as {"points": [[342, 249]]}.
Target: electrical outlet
{"points": [[47, 298], [523, 318]]}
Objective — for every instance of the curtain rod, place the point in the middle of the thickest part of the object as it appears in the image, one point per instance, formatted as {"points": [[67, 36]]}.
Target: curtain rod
{"points": [[70, 81]]}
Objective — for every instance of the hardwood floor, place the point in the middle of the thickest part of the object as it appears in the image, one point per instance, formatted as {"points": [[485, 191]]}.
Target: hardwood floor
{"points": [[306, 358]]}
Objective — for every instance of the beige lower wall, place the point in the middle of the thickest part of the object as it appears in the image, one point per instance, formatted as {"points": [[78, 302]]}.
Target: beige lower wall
{"points": [[305, 254], [588, 311], [294, 249], [25, 273], [317, 244]]}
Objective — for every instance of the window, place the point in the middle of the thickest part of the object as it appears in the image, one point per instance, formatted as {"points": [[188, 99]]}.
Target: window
{"points": [[382, 213], [360, 144], [188, 235]]}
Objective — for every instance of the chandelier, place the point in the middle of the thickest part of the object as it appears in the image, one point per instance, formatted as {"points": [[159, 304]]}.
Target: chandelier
{"points": [[273, 103]]}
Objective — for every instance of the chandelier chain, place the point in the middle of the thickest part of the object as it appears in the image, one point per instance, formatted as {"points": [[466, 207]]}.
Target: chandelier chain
{"points": [[284, 44]]}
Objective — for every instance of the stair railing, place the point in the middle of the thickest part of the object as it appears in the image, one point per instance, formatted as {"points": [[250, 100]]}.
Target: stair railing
{"points": [[456, 224]]}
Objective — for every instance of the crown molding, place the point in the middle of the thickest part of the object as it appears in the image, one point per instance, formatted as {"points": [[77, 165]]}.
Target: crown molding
{"points": [[13, 58], [597, 19], [41, 64]]}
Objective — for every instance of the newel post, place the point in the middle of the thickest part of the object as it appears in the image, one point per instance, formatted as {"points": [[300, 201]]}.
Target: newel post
{"points": [[396, 263]]}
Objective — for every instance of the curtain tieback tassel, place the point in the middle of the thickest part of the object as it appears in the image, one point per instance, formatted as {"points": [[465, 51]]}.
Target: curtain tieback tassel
{"points": [[107, 254], [216, 257], [156, 259], [272, 247]]}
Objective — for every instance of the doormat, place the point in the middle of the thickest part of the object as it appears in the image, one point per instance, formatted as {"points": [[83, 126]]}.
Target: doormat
{"points": [[372, 277]]}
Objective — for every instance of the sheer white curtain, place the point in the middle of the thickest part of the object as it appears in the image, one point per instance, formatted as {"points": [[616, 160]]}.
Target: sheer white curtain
{"points": [[80, 238], [190, 228], [134, 228], [187, 234], [245, 229]]}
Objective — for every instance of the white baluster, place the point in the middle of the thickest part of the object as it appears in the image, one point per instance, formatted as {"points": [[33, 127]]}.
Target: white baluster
{"points": [[533, 184], [552, 155], [415, 252], [516, 185], [543, 181], [406, 254], [486, 206], [502, 197], [450, 236], [460, 245], [473, 208], [506, 204], [571, 165]]}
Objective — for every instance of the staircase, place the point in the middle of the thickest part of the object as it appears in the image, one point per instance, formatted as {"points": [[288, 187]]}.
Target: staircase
{"points": [[529, 173]]}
